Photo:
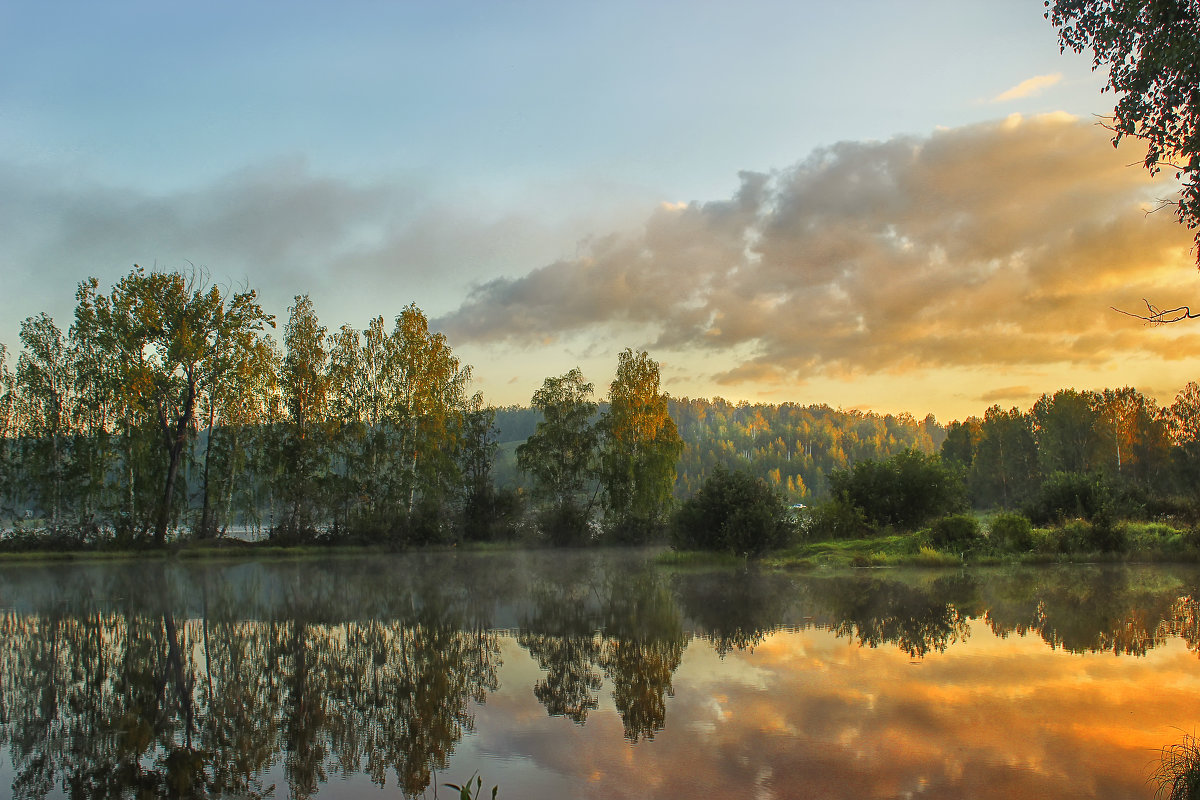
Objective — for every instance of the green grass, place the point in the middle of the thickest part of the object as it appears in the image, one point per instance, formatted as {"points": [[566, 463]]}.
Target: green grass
{"points": [[881, 551]]}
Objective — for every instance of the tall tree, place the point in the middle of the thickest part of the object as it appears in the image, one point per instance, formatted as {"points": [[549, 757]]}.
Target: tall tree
{"points": [[302, 444], [8, 421], [43, 382], [1064, 425], [171, 327], [241, 372], [1005, 468], [560, 453], [429, 403], [639, 450]]}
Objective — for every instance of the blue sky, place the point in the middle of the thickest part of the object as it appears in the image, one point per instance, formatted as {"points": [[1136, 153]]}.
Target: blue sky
{"points": [[498, 163]]}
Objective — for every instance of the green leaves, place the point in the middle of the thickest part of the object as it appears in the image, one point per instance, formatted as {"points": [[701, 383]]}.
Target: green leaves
{"points": [[464, 791], [1152, 51]]}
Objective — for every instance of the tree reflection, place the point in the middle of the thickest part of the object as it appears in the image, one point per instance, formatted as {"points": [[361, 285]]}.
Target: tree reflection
{"points": [[917, 619], [623, 625], [1110, 609], [153, 701], [736, 609]]}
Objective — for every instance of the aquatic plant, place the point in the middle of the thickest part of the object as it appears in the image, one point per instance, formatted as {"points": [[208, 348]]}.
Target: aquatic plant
{"points": [[464, 791], [1178, 772]]}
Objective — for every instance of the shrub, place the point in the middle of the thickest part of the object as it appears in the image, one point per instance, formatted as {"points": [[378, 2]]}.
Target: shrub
{"points": [[565, 525], [733, 512], [1068, 495], [837, 518], [1011, 533], [957, 532], [905, 490]]}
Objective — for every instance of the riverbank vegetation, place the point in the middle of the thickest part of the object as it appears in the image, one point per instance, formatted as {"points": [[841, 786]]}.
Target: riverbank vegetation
{"points": [[168, 413]]}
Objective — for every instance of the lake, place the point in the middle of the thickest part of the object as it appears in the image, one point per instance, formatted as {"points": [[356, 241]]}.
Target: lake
{"points": [[590, 674]]}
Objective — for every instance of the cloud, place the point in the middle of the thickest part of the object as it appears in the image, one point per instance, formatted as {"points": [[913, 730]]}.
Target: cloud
{"points": [[359, 247], [1006, 394], [1028, 87], [993, 245]]}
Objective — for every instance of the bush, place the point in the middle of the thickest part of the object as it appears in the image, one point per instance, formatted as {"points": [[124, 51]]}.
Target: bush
{"points": [[733, 512], [1069, 495], [904, 490], [567, 525], [1011, 533], [837, 518], [958, 532]]}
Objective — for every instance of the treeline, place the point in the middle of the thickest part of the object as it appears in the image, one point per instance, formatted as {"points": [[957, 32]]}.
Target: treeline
{"points": [[1082, 447], [793, 448], [168, 408]]}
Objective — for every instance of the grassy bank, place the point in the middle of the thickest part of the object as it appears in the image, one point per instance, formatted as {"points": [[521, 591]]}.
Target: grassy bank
{"points": [[1139, 542]]}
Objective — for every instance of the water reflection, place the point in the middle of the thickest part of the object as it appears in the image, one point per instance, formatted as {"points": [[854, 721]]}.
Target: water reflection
{"points": [[593, 622], [169, 680]]}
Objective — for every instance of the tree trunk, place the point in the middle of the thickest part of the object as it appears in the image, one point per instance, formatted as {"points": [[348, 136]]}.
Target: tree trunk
{"points": [[176, 438]]}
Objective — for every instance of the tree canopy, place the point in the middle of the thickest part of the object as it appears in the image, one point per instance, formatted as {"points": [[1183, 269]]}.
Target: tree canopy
{"points": [[1152, 51]]}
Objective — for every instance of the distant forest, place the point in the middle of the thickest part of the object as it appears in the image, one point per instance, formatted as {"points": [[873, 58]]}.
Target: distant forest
{"points": [[792, 447]]}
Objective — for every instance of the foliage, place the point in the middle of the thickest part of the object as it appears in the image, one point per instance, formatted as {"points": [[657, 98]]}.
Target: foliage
{"points": [[956, 532], [1010, 533], [733, 512], [1068, 495], [465, 792], [560, 454], [638, 450], [905, 490], [1152, 51], [836, 518]]}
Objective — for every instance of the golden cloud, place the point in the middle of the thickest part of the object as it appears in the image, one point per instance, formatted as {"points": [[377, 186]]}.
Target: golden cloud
{"points": [[1028, 87], [997, 244]]}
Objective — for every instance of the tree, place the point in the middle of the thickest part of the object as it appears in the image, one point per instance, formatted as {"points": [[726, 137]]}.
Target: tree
{"points": [[172, 328], [733, 512], [401, 401], [43, 382], [1005, 469], [1152, 51], [1064, 425], [302, 446], [906, 489], [560, 453], [8, 421], [429, 404], [242, 374], [639, 450]]}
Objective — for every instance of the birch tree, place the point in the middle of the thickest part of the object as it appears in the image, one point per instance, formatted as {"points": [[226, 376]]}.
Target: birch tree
{"points": [[639, 450]]}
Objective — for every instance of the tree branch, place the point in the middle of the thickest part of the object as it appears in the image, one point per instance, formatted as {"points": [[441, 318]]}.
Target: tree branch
{"points": [[1157, 316]]}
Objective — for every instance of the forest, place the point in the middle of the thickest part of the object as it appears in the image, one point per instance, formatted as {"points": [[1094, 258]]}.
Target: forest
{"points": [[169, 410]]}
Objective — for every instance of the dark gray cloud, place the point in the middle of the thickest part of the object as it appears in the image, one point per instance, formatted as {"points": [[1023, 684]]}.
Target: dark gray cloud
{"points": [[997, 244]]}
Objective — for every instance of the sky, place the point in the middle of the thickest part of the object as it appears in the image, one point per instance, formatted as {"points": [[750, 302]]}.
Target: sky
{"points": [[897, 207]]}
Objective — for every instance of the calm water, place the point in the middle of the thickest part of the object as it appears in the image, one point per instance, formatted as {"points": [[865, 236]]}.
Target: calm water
{"points": [[590, 675]]}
